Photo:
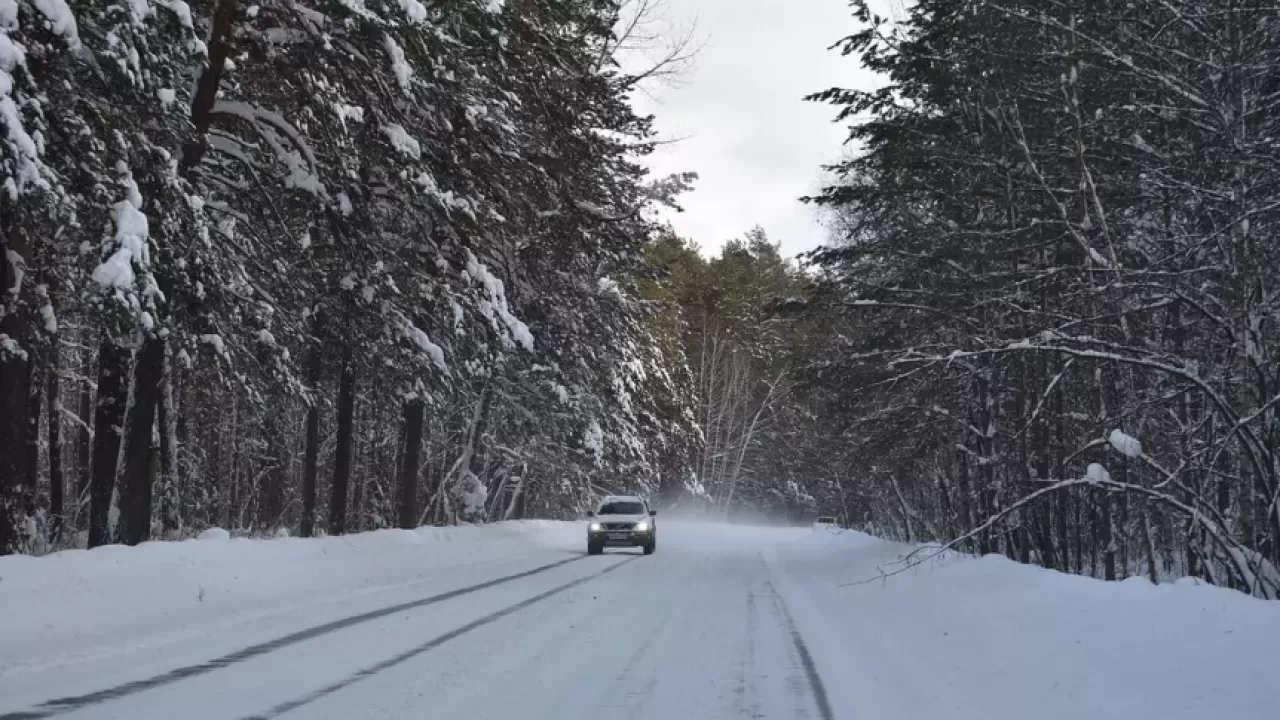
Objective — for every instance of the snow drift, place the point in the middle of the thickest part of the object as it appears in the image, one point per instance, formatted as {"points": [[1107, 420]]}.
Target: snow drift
{"points": [[966, 638], [84, 603]]}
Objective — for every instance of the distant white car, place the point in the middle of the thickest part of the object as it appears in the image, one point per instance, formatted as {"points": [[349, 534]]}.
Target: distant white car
{"points": [[622, 521], [826, 523]]}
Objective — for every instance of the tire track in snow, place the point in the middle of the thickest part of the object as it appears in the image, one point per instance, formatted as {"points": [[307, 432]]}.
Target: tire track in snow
{"points": [[435, 642], [816, 687], [58, 706], [747, 701], [637, 681], [636, 699]]}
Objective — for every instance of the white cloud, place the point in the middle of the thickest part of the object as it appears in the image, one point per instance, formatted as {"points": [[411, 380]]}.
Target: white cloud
{"points": [[755, 144]]}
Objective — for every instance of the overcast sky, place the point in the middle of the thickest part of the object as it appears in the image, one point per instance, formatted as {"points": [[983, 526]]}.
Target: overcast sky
{"points": [[756, 147]]}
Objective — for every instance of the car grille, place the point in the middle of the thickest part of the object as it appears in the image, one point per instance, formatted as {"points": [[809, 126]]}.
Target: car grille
{"points": [[619, 526]]}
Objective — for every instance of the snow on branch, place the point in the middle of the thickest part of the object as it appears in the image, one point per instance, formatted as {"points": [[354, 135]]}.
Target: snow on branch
{"points": [[24, 148], [414, 10], [498, 309], [131, 239], [300, 161], [61, 20], [399, 66], [1124, 444], [402, 141], [423, 343]]}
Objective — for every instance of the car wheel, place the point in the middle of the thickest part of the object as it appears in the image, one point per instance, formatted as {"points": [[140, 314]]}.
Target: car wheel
{"points": [[650, 546], [594, 548]]}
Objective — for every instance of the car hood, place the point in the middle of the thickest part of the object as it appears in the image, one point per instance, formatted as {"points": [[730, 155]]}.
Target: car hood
{"points": [[619, 518]]}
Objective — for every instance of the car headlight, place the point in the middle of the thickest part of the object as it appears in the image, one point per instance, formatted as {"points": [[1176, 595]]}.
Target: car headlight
{"points": [[594, 527], [642, 526]]}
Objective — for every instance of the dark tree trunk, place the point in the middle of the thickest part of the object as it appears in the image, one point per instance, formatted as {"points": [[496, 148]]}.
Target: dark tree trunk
{"points": [[518, 512], [342, 453], [57, 484], [310, 470], [408, 495], [84, 445], [113, 364], [271, 501], [360, 478], [31, 447], [13, 421], [312, 451], [182, 430], [231, 508], [206, 93], [15, 389], [1108, 536], [213, 463], [170, 514], [136, 481], [363, 457]]}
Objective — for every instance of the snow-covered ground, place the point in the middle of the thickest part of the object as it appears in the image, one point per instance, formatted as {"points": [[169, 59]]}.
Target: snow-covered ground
{"points": [[513, 620], [990, 639]]}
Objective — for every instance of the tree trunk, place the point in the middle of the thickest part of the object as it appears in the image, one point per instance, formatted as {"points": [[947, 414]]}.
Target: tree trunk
{"points": [[408, 496], [476, 435], [182, 446], [1149, 535], [271, 499], [475, 439], [31, 449], [521, 501], [213, 462], [170, 514], [309, 469], [57, 484], [206, 93], [311, 453], [1108, 527], [135, 482], [232, 494], [15, 387], [113, 364], [84, 445], [342, 453], [517, 494]]}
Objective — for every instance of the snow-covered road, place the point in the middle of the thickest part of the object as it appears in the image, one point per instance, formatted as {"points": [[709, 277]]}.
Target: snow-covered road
{"points": [[516, 621], [696, 630]]}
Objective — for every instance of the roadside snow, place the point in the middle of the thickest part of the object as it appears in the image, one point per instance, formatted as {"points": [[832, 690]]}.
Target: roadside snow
{"points": [[112, 599], [989, 639]]}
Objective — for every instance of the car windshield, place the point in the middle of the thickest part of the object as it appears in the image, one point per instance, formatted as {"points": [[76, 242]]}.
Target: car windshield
{"points": [[621, 508]]}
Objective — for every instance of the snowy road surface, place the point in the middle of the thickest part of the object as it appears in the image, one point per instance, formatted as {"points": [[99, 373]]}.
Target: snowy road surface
{"points": [[515, 621]]}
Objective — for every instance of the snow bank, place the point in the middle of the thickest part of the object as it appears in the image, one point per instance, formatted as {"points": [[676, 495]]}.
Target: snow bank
{"points": [[79, 604], [989, 639]]}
